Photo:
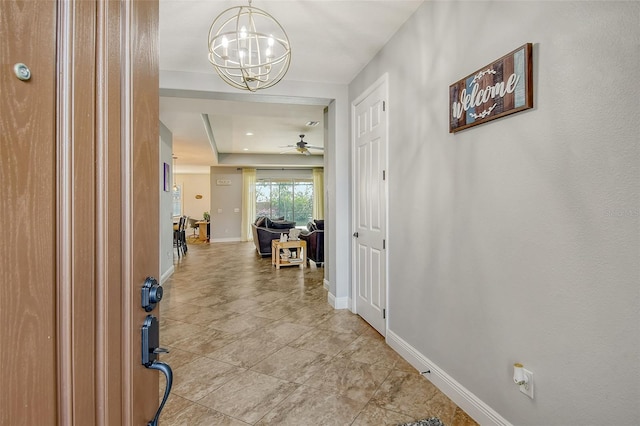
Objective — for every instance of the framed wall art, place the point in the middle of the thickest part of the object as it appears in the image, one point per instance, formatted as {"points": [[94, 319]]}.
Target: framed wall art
{"points": [[167, 177], [501, 88]]}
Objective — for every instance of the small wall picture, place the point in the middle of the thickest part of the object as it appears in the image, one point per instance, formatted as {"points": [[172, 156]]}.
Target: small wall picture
{"points": [[501, 88], [167, 177]]}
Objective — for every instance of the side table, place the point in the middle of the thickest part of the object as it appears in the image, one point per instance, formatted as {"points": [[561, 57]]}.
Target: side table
{"points": [[301, 249]]}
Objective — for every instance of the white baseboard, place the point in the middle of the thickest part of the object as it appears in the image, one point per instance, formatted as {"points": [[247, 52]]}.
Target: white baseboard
{"points": [[226, 240], [337, 302], [325, 283], [466, 400], [167, 274]]}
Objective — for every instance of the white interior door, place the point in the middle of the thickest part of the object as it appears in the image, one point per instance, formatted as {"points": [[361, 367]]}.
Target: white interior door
{"points": [[370, 159]]}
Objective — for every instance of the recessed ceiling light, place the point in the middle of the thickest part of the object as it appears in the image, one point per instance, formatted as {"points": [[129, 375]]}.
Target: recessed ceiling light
{"points": [[249, 134], [312, 123], [245, 149]]}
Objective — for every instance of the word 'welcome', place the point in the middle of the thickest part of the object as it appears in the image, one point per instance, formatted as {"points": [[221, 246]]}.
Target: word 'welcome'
{"points": [[479, 96]]}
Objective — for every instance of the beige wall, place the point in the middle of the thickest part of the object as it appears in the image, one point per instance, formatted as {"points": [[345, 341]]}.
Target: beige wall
{"points": [[192, 185]]}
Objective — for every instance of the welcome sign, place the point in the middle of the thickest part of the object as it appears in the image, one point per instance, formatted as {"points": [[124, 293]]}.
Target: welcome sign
{"points": [[496, 90]]}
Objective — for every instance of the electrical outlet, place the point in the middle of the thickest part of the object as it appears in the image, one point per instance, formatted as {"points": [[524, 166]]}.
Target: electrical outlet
{"points": [[527, 388]]}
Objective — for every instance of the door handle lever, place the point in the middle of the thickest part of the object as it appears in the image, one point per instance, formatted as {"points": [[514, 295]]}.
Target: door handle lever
{"points": [[150, 351], [168, 374]]}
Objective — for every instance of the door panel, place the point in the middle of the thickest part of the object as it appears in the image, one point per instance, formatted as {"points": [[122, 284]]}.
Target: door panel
{"points": [[79, 202], [27, 253], [142, 203], [370, 207]]}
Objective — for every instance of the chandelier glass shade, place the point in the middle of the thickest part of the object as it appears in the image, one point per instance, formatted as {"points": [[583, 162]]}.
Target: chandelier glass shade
{"points": [[249, 48]]}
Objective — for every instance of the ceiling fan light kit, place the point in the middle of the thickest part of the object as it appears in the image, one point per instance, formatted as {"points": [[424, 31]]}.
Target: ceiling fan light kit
{"points": [[301, 146], [248, 48]]}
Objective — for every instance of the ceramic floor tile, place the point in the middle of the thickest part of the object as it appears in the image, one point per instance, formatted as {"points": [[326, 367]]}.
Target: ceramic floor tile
{"points": [[308, 317], [200, 377], [277, 310], [207, 342], [374, 351], [208, 300], [197, 415], [245, 352], [238, 323], [281, 332], [374, 415], [171, 331], [324, 341], [353, 379], [309, 406], [293, 365], [175, 404], [411, 394], [242, 305], [270, 296], [344, 321], [249, 396], [177, 357], [460, 418], [254, 345], [180, 311]]}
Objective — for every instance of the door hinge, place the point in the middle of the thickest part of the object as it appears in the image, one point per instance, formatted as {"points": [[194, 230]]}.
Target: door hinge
{"points": [[384, 244], [384, 314], [384, 105], [384, 175]]}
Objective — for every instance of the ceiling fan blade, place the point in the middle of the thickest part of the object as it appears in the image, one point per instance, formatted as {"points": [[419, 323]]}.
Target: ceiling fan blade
{"points": [[288, 146], [315, 147], [288, 150]]}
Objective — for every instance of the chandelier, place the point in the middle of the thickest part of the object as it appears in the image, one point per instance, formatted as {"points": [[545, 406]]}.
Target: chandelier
{"points": [[248, 48]]}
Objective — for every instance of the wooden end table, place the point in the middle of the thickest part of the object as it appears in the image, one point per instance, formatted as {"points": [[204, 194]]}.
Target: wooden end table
{"points": [[301, 249]]}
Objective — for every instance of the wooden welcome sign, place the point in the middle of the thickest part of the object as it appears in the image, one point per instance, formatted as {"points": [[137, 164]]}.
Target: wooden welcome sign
{"points": [[496, 90]]}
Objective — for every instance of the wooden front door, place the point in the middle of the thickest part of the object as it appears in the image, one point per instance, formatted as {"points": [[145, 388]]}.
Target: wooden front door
{"points": [[79, 198]]}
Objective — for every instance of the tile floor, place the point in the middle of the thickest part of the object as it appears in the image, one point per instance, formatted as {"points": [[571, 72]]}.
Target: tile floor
{"points": [[252, 345]]}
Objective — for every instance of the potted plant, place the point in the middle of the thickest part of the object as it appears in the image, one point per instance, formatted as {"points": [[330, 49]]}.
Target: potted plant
{"points": [[206, 216]]}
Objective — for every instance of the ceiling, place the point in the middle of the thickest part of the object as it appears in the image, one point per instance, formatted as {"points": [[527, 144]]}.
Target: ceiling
{"points": [[331, 41]]}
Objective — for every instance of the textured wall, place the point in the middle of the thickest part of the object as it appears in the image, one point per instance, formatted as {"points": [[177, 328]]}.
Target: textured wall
{"points": [[522, 240]]}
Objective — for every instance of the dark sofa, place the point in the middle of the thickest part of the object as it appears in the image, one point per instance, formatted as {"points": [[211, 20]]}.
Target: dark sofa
{"points": [[314, 236], [266, 230]]}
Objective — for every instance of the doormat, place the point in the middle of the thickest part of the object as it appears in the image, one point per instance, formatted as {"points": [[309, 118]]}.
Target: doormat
{"points": [[431, 421]]}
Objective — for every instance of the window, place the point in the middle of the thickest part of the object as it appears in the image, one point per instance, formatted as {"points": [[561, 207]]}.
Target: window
{"points": [[177, 200], [285, 197]]}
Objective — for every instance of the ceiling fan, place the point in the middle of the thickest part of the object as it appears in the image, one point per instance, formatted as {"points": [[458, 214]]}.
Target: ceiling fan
{"points": [[301, 146]]}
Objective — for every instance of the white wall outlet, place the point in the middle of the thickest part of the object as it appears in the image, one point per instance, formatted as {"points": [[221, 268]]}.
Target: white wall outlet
{"points": [[236, 210], [527, 388], [219, 211]]}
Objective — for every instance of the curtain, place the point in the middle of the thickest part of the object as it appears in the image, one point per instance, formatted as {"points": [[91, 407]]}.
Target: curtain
{"points": [[248, 203], [318, 193]]}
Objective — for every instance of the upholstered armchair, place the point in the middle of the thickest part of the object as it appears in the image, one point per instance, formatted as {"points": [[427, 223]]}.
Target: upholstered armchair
{"points": [[314, 236], [265, 230]]}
